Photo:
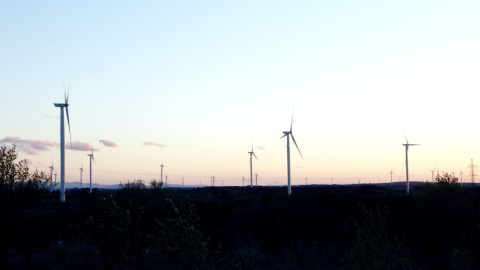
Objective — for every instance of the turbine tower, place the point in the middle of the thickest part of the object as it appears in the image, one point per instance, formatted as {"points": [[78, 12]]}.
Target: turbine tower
{"points": [[91, 157], [406, 160], [62, 144], [433, 171], [251, 172], [51, 170], [51, 179], [287, 134], [391, 177], [161, 172], [81, 172]]}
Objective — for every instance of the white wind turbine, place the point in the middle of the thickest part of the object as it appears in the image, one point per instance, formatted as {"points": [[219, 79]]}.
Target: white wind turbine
{"points": [[288, 133], [51, 179], [91, 157], [62, 144], [391, 176], [251, 172], [161, 172], [433, 171], [406, 160], [81, 172]]}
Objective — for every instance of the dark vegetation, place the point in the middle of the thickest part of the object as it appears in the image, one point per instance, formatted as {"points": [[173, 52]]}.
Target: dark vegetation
{"points": [[144, 226]]}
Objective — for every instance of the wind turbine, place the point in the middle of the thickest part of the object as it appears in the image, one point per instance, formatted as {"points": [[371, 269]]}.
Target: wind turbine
{"points": [[391, 176], [62, 144], [433, 171], [51, 179], [91, 157], [406, 160], [81, 172], [251, 173], [51, 170], [161, 172], [287, 134]]}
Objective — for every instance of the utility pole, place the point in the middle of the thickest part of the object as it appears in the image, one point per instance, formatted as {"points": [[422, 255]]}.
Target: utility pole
{"points": [[243, 181], [183, 184], [256, 179], [472, 171], [306, 183]]}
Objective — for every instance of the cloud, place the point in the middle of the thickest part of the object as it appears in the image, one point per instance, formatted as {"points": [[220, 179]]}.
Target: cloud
{"points": [[108, 143], [81, 146], [154, 144], [30, 147], [46, 115], [261, 148]]}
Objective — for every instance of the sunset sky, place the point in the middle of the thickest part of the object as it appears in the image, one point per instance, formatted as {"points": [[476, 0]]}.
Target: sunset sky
{"points": [[193, 83]]}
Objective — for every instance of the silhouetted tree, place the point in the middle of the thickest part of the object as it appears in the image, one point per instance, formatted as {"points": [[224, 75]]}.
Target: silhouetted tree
{"points": [[19, 191], [372, 247]]}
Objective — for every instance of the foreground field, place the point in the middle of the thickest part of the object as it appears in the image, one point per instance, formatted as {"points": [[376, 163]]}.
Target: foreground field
{"points": [[318, 227]]}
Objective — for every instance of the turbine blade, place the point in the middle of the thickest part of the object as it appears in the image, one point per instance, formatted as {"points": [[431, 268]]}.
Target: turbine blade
{"points": [[255, 155], [291, 124], [68, 122], [405, 136], [293, 138], [94, 159], [283, 136]]}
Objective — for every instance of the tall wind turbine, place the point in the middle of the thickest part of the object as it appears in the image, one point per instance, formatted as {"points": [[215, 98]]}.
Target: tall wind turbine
{"points": [[81, 172], [288, 134], [251, 172], [91, 157], [62, 145], [406, 160]]}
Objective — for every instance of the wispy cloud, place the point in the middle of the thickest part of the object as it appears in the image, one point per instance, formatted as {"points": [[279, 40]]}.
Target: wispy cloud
{"points": [[30, 147], [261, 148], [154, 144], [46, 115], [108, 143], [81, 146]]}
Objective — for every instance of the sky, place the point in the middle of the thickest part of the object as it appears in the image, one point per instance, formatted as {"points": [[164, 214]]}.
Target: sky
{"points": [[194, 84]]}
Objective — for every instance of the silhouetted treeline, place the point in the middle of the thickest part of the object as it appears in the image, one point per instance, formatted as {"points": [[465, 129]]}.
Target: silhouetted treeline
{"points": [[144, 226]]}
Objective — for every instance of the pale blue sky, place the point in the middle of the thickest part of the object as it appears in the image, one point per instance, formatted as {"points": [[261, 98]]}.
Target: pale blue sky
{"points": [[206, 78]]}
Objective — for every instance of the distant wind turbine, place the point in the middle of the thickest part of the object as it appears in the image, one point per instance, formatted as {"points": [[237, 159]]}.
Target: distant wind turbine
{"points": [[406, 160], [287, 134], [391, 177], [81, 172], [51, 170], [51, 179], [91, 157], [62, 144], [161, 172], [433, 171], [251, 172]]}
